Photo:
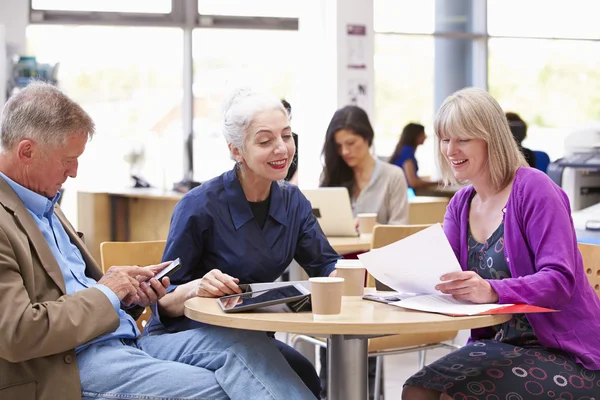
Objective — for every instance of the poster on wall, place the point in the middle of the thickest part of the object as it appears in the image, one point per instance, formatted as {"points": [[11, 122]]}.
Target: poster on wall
{"points": [[357, 93], [357, 41]]}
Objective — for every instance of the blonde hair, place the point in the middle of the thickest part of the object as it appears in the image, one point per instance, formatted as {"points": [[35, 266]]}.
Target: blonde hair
{"points": [[472, 113]]}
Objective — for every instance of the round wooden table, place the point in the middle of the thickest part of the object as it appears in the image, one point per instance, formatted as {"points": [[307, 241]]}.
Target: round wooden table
{"points": [[348, 333]]}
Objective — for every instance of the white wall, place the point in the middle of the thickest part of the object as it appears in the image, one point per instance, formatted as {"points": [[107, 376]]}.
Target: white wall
{"points": [[324, 78], [14, 15]]}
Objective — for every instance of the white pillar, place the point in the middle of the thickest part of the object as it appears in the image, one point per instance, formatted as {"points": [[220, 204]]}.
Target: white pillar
{"points": [[336, 69], [3, 67]]}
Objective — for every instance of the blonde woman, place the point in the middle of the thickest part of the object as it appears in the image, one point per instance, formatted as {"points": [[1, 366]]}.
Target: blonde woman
{"points": [[512, 233]]}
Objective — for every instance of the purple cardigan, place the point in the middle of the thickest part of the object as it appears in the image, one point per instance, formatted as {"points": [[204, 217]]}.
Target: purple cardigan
{"points": [[540, 249]]}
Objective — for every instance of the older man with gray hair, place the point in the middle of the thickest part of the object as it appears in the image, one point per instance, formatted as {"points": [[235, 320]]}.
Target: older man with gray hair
{"points": [[67, 331]]}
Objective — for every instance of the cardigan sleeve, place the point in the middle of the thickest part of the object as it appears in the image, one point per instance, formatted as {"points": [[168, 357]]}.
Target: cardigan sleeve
{"points": [[544, 218]]}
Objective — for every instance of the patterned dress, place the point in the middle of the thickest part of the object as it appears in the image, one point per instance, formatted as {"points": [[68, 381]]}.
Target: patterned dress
{"points": [[512, 365]]}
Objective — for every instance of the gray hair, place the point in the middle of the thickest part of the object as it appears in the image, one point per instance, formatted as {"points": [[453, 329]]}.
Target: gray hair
{"points": [[42, 113], [239, 110], [472, 113]]}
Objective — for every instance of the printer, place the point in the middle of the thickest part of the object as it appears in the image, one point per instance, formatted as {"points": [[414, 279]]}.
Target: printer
{"points": [[578, 173]]}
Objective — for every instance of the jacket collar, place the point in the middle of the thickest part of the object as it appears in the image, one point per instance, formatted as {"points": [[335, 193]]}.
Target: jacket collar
{"points": [[239, 208]]}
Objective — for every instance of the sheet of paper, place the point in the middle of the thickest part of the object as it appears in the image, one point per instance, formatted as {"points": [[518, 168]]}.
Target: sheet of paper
{"points": [[446, 304], [414, 264]]}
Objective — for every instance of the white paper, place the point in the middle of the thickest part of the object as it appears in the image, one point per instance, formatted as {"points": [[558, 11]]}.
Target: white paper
{"points": [[445, 304], [414, 264]]}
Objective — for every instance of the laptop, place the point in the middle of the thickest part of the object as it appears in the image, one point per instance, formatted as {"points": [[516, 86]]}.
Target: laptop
{"points": [[332, 208]]}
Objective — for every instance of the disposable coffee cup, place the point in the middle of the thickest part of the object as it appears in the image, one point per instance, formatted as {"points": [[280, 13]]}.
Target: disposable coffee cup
{"points": [[326, 297], [353, 272], [366, 223]]}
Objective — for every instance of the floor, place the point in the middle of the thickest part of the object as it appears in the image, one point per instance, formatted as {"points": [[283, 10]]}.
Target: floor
{"points": [[398, 368]]}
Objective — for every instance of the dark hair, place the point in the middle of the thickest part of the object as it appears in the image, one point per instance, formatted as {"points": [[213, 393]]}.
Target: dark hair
{"points": [[335, 171], [287, 106], [518, 127], [409, 136]]}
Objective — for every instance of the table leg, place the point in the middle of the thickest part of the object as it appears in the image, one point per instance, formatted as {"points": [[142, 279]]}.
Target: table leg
{"points": [[347, 369]]}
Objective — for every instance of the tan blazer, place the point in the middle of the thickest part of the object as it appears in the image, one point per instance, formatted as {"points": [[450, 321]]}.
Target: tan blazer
{"points": [[40, 325]]}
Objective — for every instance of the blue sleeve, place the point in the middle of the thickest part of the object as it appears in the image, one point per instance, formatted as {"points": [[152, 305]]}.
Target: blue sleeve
{"points": [[313, 252], [183, 241], [406, 153], [110, 294]]}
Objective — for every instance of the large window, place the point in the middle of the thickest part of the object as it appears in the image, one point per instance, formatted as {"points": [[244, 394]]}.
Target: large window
{"points": [[128, 84], [139, 6], [553, 84], [404, 83], [404, 76]]}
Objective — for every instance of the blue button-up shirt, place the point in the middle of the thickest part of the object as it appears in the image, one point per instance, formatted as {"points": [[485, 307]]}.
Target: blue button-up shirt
{"points": [[213, 227], [69, 257]]}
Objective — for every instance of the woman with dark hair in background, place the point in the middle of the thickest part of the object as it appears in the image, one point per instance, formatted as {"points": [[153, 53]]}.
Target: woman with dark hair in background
{"points": [[412, 136], [518, 128], [374, 186]]}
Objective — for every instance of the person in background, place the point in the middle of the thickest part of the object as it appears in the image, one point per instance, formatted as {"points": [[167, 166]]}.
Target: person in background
{"points": [[413, 135], [374, 186], [246, 225], [518, 128], [292, 174], [512, 232], [68, 331]]}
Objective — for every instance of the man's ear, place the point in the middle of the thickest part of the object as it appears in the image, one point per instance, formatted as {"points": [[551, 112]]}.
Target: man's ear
{"points": [[26, 150]]}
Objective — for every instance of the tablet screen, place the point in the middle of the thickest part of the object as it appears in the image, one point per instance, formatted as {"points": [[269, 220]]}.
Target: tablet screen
{"points": [[262, 297]]}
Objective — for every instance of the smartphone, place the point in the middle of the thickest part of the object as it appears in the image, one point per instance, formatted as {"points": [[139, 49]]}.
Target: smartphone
{"points": [[169, 270]]}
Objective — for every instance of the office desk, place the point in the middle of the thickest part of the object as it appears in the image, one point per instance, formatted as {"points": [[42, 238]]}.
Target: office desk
{"points": [[348, 334], [124, 215]]}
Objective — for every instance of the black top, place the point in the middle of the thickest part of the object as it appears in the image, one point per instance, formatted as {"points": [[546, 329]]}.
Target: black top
{"points": [[529, 156], [294, 164], [260, 210]]}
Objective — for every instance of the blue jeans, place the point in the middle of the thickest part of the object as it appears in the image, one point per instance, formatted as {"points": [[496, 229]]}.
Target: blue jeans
{"points": [[209, 363]]}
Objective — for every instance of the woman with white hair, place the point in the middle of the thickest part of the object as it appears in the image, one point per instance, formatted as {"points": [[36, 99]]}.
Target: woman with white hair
{"points": [[246, 225], [512, 233]]}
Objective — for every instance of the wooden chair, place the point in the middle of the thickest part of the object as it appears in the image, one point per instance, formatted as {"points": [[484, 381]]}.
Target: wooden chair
{"points": [[132, 253], [393, 344], [591, 263], [427, 210]]}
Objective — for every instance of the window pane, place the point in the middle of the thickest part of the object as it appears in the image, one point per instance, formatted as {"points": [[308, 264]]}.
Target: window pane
{"points": [[554, 85], [138, 6], [544, 18], [408, 16], [404, 81], [129, 85], [222, 61], [261, 8]]}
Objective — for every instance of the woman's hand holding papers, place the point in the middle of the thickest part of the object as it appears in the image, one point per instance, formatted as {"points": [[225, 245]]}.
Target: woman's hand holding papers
{"points": [[467, 285]]}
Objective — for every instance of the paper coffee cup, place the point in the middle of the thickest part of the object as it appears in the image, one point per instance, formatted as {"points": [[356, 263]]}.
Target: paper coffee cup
{"points": [[326, 297], [353, 272], [366, 222]]}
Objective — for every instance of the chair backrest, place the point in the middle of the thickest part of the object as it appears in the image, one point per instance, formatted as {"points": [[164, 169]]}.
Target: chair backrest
{"points": [[591, 263], [427, 210], [132, 253], [542, 160], [388, 234]]}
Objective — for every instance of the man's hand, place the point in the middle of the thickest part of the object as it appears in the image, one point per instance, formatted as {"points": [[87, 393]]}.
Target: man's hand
{"points": [[215, 284], [151, 290], [467, 285], [124, 281]]}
